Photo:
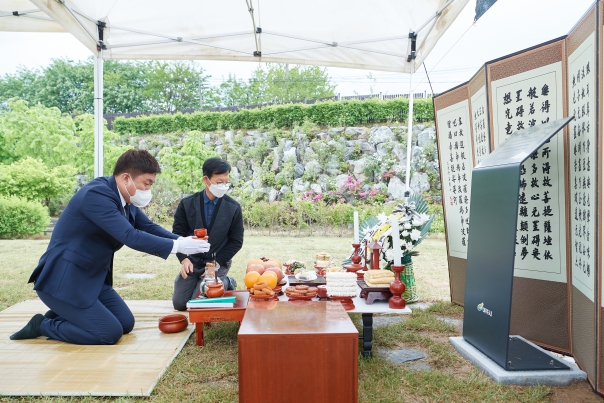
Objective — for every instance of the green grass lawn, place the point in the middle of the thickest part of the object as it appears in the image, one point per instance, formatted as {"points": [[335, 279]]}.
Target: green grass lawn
{"points": [[209, 373]]}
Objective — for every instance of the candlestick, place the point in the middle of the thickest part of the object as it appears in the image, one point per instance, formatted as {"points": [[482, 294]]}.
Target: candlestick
{"points": [[397, 288], [396, 241], [355, 259], [356, 227]]}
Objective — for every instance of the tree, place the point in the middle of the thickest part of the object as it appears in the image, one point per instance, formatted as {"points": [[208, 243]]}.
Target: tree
{"points": [[37, 132], [24, 84], [83, 161], [176, 86], [279, 83], [285, 83], [124, 85], [234, 92], [184, 166], [68, 86]]}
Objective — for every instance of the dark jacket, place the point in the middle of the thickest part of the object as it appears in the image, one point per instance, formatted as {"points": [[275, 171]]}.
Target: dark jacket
{"points": [[225, 232], [79, 257]]}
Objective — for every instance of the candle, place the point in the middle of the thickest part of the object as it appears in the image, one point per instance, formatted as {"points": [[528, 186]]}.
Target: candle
{"points": [[356, 228], [396, 241]]}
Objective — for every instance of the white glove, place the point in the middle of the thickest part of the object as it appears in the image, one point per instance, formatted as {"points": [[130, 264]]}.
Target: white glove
{"points": [[190, 246]]}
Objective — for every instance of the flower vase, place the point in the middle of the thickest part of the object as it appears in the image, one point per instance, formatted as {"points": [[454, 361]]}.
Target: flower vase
{"points": [[407, 277]]}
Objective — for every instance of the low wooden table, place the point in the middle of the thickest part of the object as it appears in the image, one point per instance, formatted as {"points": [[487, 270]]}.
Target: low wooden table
{"points": [[201, 316], [307, 349]]}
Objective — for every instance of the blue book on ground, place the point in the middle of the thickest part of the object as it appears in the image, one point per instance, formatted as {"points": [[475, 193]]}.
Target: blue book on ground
{"points": [[206, 300]]}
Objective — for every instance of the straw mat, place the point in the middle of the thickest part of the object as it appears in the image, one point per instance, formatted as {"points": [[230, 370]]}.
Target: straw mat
{"points": [[132, 367]]}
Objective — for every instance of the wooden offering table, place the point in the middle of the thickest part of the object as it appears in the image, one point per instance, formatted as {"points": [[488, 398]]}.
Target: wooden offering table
{"points": [[306, 351], [208, 315]]}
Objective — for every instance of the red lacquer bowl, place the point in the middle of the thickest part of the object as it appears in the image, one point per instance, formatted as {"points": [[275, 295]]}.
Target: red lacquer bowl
{"points": [[173, 323], [201, 232], [322, 291]]}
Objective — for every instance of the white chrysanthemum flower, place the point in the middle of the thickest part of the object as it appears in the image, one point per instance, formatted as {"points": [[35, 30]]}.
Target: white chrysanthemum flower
{"points": [[405, 234], [407, 225], [416, 234], [389, 254]]}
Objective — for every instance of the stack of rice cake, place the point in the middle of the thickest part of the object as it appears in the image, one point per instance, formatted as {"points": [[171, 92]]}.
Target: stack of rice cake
{"points": [[322, 259], [341, 284], [379, 278]]}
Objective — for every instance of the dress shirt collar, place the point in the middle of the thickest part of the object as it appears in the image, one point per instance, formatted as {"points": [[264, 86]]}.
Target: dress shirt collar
{"points": [[206, 199], [122, 198]]}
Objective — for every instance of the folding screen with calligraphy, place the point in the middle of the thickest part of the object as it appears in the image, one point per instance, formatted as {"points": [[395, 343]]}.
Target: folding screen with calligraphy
{"points": [[581, 53], [599, 280], [480, 115], [527, 89], [452, 112]]}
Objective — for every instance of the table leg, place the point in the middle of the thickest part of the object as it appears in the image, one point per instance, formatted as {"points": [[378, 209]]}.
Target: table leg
{"points": [[199, 334], [367, 334]]}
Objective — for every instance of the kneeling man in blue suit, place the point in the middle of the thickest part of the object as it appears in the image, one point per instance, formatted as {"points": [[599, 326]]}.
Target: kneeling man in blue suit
{"points": [[74, 277]]}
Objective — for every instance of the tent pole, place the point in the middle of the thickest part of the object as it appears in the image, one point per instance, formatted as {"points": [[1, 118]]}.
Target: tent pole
{"points": [[409, 135], [98, 114]]}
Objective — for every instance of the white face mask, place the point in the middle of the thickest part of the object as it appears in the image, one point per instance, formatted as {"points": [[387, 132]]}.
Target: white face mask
{"points": [[219, 190], [140, 198]]}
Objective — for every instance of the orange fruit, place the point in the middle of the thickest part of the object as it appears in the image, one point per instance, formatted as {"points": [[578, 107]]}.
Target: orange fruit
{"points": [[271, 272], [269, 279], [251, 278], [275, 270]]}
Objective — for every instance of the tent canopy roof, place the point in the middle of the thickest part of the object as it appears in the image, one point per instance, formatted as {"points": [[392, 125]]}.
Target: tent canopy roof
{"points": [[23, 16], [372, 35]]}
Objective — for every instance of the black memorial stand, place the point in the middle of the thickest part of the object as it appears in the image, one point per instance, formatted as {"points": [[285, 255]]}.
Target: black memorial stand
{"points": [[491, 249]]}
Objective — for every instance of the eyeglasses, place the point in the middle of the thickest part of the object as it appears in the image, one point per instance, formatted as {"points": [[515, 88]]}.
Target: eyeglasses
{"points": [[221, 183]]}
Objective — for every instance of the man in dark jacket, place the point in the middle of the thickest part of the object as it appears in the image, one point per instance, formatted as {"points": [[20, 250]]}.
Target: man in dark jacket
{"points": [[221, 215], [74, 277]]}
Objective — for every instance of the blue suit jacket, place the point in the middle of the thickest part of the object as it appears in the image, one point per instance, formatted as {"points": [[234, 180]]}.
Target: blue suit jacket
{"points": [[79, 257]]}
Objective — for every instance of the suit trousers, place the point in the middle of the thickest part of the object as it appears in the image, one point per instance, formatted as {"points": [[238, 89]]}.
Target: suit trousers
{"points": [[104, 322]]}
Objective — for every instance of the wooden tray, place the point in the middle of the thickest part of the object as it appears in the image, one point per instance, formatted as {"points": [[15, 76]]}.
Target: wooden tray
{"points": [[365, 287], [293, 281], [372, 294], [300, 297]]}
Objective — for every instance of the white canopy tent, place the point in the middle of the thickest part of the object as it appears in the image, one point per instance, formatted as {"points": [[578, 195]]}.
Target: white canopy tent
{"points": [[374, 35]]}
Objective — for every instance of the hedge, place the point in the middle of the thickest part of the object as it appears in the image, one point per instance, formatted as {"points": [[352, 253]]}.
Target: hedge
{"points": [[20, 218], [328, 113]]}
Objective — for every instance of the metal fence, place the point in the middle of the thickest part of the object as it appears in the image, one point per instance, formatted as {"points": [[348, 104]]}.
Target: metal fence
{"points": [[110, 117]]}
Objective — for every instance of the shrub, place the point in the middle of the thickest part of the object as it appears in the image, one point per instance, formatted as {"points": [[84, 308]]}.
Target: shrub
{"points": [[184, 166], [32, 180], [20, 218], [438, 224], [329, 113]]}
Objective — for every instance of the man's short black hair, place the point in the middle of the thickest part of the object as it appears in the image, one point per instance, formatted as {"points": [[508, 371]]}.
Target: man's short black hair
{"points": [[136, 162], [215, 166]]}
